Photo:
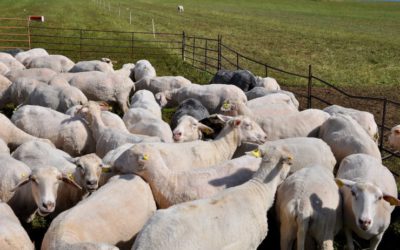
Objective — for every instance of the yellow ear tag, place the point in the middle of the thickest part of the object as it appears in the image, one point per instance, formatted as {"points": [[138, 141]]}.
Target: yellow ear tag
{"points": [[105, 170], [208, 131], [70, 176], [225, 105], [145, 157], [23, 175], [256, 153]]}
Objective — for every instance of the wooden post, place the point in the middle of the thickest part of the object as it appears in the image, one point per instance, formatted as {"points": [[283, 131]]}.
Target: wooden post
{"points": [[80, 45], [383, 123], [119, 10]]}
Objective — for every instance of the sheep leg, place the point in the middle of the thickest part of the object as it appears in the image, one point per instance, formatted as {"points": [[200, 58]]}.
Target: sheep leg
{"points": [[349, 239], [287, 236], [375, 241], [302, 228], [327, 245]]}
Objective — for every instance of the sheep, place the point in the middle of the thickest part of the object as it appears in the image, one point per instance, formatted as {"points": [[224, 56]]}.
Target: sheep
{"points": [[190, 129], [3, 148], [127, 70], [260, 91], [394, 137], [146, 100], [70, 134], [108, 138], [235, 218], [4, 69], [274, 98], [190, 107], [40, 74], [161, 83], [211, 96], [369, 193], [258, 112], [101, 86], [305, 151], [4, 85], [141, 121], [180, 8], [129, 204], [104, 65], [18, 92], [55, 97], [268, 83], [13, 136], [172, 187], [6, 56], [58, 63], [243, 79], [143, 69], [21, 56], [200, 154], [110, 119], [12, 234], [345, 137], [365, 119], [12, 63], [308, 204]]}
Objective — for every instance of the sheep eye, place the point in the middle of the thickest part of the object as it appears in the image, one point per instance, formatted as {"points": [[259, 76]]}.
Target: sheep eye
{"points": [[353, 193], [380, 198]]}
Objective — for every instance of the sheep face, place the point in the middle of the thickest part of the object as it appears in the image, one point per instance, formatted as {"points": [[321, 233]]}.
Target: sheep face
{"points": [[190, 129], [248, 130], [394, 137], [90, 167], [230, 107], [365, 198]]}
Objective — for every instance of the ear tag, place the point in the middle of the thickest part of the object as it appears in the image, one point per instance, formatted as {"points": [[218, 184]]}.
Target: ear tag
{"points": [[225, 105], [256, 153], [145, 157], [70, 176], [105, 170], [23, 175]]}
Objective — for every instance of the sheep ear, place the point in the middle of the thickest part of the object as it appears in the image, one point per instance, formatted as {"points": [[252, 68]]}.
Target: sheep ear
{"points": [[104, 106], [105, 168], [161, 98], [69, 179], [205, 129], [236, 122], [21, 183], [397, 131], [343, 182], [73, 160], [392, 200]]}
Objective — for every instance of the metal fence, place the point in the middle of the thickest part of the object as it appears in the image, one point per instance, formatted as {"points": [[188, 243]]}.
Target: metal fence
{"points": [[14, 33], [209, 55]]}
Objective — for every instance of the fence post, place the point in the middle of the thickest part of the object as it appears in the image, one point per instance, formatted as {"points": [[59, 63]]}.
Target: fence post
{"points": [[383, 123], [80, 44], [205, 56], [29, 33], [237, 61], [309, 86], [266, 70], [183, 45], [219, 51], [194, 48]]}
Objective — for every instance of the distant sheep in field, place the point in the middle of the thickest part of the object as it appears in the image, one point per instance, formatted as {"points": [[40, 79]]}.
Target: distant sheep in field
{"points": [[180, 8]]}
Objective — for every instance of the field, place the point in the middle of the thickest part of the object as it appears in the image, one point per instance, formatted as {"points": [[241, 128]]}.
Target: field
{"points": [[352, 44]]}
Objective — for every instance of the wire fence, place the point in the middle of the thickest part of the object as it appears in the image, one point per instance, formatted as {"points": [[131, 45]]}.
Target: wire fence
{"points": [[209, 55]]}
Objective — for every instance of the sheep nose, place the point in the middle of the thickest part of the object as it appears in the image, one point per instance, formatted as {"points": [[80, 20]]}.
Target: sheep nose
{"points": [[364, 223], [177, 135], [48, 205], [91, 182]]}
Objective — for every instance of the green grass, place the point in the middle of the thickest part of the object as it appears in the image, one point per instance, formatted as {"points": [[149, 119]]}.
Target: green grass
{"points": [[347, 42]]}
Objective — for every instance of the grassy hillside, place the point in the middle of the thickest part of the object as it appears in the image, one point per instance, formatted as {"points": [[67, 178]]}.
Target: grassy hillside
{"points": [[346, 42]]}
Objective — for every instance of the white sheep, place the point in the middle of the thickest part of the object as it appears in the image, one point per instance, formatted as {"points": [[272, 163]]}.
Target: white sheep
{"points": [[13, 136], [369, 195], [180, 8], [58, 63], [146, 100], [162, 83], [268, 83], [12, 234], [211, 96], [235, 218], [305, 151], [143, 69], [4, 69], [108, 138], [4, 85], [190, 129], [365, 119], [394, 137], [104, 65], [101, 86], [113, 215], [21, 56], [18, 92], [345, 137], [172, 187], [141, 121], [3, 148], [200, 154], [308, 204], [12, 64], [39, 74]]}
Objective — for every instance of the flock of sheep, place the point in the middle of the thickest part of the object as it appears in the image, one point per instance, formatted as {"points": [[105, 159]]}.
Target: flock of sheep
{"points": [[234, 149]]}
